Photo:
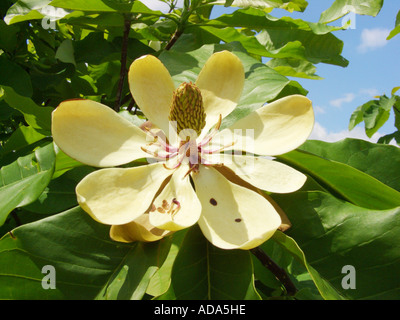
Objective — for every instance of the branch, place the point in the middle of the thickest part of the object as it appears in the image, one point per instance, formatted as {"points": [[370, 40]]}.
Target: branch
{"points": [[124, 55], [279, 273], [175, 37]]}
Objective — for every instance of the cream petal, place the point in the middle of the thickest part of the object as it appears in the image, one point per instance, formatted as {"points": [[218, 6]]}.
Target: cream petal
{"points": [[264, 174], [94, 134], [120, 195], [138, 230], [221, 82], [274, 129], [177, 206], [233, 217], [152, 88]]}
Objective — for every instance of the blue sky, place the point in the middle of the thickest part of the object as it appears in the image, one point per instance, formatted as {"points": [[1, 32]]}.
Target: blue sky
{"points": [[374, 69]]}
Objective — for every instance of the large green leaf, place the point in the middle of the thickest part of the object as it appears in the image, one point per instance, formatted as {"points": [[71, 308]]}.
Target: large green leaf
{"points": [[104, 6], [22, 181], [342, 7], [24, 10], [344, 181], [14, 76], [289, 5], [280, 38], [38, 117], [326, 290], [86, 262], [379, 161], [202, 271], [334, 234]]}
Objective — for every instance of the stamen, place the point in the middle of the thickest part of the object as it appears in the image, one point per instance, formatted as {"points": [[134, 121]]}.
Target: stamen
{"points": [[211, 135], [217, 150], [158, 156], [161, 140]]}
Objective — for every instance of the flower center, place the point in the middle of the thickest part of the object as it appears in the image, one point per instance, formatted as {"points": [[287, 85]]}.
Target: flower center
{"points": [[196, 152], [187, 108]]}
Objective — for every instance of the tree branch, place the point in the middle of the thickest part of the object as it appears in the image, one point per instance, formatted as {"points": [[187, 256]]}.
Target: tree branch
{"points": [[279, 273], [124, 55], [175, 37]]}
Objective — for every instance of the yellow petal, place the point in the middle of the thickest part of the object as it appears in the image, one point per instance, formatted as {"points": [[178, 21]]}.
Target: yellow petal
{"points": [[221, 83], [120, 195], [138, 230], [177, 207], [152, 88], [264, 174], [94, 134], [274, 129], [233, 217]]}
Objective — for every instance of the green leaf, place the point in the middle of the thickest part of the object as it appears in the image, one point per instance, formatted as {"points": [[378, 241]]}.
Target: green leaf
{"points": [[344, 181], [374, 113], [14, 76], [104, 6], [59, 195], [326, 290], [38, 117], [334, 234], [396, 29], [161, 281], [386, 139], [87, 263], [21, 137], [378, 161], [294, 68], [289, 5], [342, 7], [8, 36], [65, 52], [204, 272], [25, 10], [22, 181], [280, 38], [131, 279]]}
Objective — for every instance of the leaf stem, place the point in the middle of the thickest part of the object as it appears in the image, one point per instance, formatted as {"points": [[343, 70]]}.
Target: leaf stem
{"points": [[278, 272], [124, 55]]}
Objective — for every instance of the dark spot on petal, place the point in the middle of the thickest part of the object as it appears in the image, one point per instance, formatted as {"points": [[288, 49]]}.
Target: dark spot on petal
{"points": [[238, 220], [213, 201]]}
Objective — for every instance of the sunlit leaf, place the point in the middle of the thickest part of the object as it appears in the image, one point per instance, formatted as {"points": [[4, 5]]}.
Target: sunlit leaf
{"points": [[342, 7], [334, 234], [204, 272], [87, 263], [22, 181]]}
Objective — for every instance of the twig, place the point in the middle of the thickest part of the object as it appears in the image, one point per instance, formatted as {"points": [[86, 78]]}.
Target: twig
{"points": [[124, 55], [174, 38], [278, 272]]}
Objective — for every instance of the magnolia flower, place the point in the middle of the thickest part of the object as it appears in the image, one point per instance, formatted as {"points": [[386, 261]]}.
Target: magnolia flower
{"points": [[186, 181]]}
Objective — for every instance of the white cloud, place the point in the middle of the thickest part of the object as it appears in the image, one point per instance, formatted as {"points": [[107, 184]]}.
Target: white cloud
{"points": [[372, 39], [319, 110], [348, 97], [321, 133], [370, 92], [159, 5]]}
